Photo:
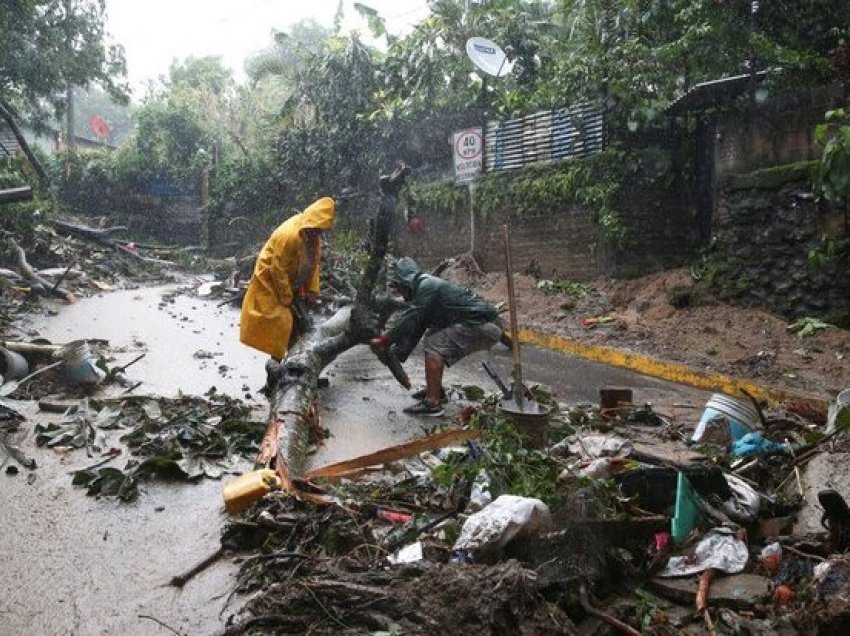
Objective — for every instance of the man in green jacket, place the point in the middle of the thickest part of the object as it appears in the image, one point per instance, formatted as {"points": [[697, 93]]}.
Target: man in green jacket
{"points": [[457, 321]]}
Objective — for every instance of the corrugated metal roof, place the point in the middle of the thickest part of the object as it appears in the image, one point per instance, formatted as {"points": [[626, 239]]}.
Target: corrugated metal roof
{"points": [[543, 137], [713, 93]]}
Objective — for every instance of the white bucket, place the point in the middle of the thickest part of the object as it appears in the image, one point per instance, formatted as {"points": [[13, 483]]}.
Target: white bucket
{"points": [[78, 366], [738, 417], [13, 366]]}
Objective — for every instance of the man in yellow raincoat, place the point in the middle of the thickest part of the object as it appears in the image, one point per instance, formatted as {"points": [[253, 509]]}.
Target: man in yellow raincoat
{"points": [[286, 270]]}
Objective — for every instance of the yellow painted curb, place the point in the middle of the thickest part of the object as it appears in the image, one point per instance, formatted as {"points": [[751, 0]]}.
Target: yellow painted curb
{"points": [[669, 371]]}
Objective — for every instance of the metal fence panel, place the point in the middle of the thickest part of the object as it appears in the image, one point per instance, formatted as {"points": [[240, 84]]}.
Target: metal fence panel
{"points": [[543, 137]]}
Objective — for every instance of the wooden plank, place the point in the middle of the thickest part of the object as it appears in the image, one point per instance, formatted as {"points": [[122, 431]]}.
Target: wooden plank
{"points": [[394, 453]]}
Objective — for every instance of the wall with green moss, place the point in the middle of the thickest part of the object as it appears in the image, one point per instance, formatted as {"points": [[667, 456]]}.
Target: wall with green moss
{"points": [[576, 220], [659, 228]]}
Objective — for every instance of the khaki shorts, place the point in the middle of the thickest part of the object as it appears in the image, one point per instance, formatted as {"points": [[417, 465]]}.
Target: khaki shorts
{"points": [[458, 341]]}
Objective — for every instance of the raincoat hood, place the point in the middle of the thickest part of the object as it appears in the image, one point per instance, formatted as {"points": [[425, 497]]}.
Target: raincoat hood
{"points": [[319, 215], [287, 257], [405, 273]]}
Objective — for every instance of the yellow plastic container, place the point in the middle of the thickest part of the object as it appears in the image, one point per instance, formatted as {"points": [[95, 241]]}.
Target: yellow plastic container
{"points": [[241, 492]]}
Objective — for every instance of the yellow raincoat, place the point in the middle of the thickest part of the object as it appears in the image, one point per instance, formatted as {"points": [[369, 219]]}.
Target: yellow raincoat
{"points": [[266, 319]]}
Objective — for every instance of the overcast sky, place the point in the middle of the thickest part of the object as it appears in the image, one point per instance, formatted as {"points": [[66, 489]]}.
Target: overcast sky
{"points": [[154, 32]]}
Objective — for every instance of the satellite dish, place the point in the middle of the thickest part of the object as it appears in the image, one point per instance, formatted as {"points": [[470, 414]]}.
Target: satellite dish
{"points": [[488, 57]]}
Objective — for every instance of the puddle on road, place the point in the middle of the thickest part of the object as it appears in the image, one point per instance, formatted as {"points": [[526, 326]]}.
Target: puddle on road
{"points": [[362, 408], [189, 343]]}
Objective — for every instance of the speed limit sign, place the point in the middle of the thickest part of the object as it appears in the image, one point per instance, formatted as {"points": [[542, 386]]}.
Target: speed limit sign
{"points": [[468, 153]]}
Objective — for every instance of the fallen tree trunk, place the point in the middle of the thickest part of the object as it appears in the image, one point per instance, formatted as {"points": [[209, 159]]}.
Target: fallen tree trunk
{"points": [[12, 195], [293, 412]]}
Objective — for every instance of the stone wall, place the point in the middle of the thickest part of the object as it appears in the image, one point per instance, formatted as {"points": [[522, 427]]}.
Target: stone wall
{"points": [[768, 225]]}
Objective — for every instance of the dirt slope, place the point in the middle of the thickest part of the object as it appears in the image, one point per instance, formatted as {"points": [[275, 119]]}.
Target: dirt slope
{"points": [[667, 316]]}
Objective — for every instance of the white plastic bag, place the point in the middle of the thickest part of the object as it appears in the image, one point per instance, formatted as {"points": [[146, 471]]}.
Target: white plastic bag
{"points": [[496, 525], [480, 495], [719, 549]]}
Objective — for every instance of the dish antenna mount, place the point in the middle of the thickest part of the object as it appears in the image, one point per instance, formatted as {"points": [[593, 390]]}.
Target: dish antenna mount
{"points": [[488, 56]]}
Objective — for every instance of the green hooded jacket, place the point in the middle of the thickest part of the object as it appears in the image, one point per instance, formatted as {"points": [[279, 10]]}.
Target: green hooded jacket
{"points": [[435, 304]]}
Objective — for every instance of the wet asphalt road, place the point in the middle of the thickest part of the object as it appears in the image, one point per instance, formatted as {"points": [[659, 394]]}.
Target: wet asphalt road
{"points": [[363, 405]]}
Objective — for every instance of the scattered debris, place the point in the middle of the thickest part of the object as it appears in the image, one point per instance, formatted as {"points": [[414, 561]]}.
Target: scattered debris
{"points": [[385, 525], [486, 525]]}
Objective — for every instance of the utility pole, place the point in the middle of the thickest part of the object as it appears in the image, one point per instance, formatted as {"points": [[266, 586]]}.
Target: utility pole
{"points": [[754, 9], [70, 133]]}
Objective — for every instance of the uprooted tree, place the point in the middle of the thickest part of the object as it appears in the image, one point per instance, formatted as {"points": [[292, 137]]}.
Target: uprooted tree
{"points": [[292, 403]]}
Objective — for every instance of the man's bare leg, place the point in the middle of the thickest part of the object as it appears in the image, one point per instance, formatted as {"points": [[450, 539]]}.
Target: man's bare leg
{"points": [[433, 377]]}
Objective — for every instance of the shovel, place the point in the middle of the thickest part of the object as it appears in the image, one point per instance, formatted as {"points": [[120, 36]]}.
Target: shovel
{"points": [[518, 388], [506, 394]]}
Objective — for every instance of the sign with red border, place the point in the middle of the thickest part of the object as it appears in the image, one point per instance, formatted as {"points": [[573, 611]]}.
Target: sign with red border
{"points": [[468, 154]]}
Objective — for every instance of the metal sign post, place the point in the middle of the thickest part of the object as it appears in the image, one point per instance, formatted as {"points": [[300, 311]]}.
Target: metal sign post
{"points": [[472, 217]]}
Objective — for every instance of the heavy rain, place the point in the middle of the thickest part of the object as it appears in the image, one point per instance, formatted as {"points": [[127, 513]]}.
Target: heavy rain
{"points": [[424, 317]]}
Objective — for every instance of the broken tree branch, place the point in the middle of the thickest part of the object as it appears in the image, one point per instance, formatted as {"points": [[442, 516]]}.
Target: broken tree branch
{"points": [[394, 453], [31, 347], [181, 579], [101, 236], [64, 275], [13, 195], [123, 368], [616, 623], [32, 276]]}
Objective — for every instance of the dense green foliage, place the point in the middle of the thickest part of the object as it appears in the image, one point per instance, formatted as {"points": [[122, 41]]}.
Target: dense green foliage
{"points": [[832, 173], [323, 111], [47, 45], [17, 217]]}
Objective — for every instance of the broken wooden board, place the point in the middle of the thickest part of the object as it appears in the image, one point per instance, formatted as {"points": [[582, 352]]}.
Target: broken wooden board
{"points": [[664, 454], [395, 453], [739, 591]]}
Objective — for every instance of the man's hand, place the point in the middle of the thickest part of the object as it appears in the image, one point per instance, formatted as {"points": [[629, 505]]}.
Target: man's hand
{"points": [[311, 298], [379, 345]]}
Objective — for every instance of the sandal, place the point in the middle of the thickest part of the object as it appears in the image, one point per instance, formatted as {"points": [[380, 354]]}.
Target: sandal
{"points": [[835, 519]]}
